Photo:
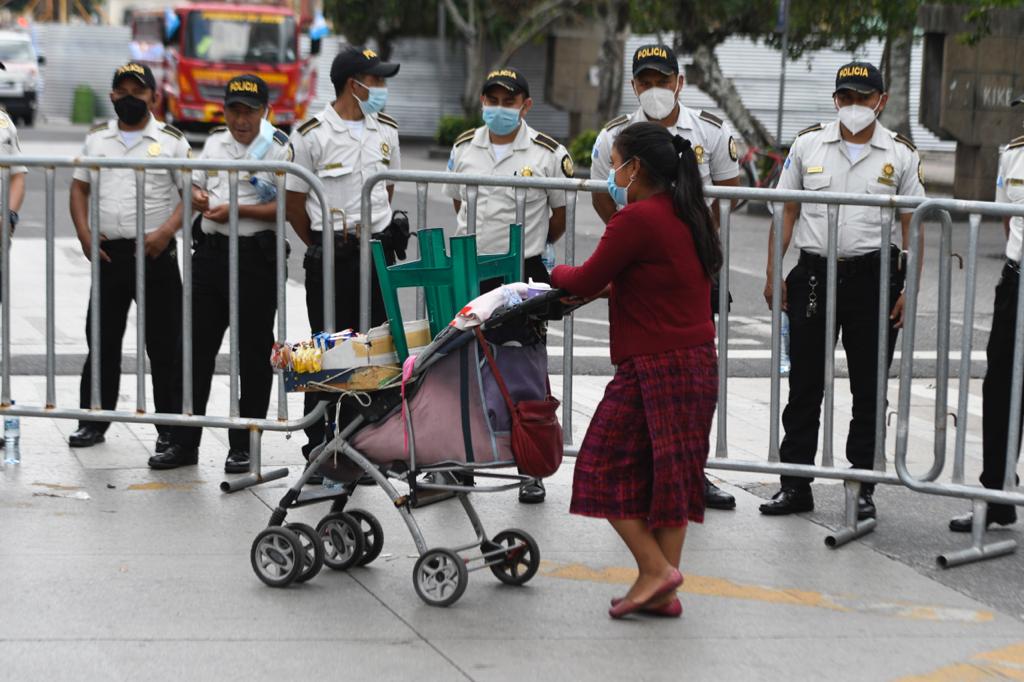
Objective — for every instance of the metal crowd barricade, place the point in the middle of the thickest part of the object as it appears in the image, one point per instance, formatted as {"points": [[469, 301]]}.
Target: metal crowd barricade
{"points": [[184, 167], [887, 204], [981, 497]]}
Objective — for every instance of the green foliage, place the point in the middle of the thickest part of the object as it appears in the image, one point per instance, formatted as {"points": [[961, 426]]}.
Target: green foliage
{"points": [[581, 146], [383, 21], [450, 127]]}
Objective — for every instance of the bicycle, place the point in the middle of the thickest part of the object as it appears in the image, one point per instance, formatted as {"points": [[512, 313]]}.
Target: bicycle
{"points": [[759, 168]]}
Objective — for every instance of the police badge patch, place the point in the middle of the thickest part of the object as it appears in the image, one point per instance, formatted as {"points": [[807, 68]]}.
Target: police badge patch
{"points": [[567, 167], [733, 152]]}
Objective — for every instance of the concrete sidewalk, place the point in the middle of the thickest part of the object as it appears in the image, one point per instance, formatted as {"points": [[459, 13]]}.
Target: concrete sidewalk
{"points": [[112, 571]]}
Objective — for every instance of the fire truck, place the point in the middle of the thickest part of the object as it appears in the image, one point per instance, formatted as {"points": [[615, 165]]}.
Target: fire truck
{"points": [[206, 44]]}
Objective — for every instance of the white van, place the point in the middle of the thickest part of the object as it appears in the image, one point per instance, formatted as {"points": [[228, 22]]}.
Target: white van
{"points": [[21, 83]]}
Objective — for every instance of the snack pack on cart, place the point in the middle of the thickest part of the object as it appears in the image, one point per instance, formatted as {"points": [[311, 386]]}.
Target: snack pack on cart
{"points": [[459, 416]]}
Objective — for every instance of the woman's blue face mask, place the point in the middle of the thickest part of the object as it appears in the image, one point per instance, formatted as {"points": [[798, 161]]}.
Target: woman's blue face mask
{"points": [[618, 194], [501, 120]]}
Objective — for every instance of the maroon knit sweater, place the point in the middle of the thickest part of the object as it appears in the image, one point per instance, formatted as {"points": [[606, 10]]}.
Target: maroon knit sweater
{"points": [[660, 296]]}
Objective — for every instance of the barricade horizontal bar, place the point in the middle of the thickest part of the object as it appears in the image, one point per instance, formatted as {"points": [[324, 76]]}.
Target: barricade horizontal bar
{"points": [[166, 419]]}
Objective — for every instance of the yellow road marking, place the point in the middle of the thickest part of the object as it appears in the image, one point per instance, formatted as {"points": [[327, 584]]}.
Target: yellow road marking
{"points": [[1002, 664], [708, 586], [159, 485]]}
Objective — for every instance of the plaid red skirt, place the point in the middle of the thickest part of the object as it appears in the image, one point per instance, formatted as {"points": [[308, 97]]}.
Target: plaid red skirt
{"points": [[644, 453]]}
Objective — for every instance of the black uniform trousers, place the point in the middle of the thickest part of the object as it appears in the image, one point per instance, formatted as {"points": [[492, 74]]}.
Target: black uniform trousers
{"points": [[257, 306], [857, 319], [163, 328], [996, 386], [346, 312]]}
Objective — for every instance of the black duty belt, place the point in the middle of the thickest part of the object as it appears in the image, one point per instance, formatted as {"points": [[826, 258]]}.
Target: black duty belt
{"points": [[219, 242], [848, 266]]}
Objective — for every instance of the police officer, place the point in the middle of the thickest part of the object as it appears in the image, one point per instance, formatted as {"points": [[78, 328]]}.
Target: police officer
{"points": [[507, 146], [996, 387], [247, 135], [347, 142], [657, 84], [854, 153], [10, 146], [134, 134]]}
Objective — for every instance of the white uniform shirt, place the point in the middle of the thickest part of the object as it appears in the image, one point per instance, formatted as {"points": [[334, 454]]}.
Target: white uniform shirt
{"points": [[1010, 189], [532, 154], [9, 145], [325, 145], [709, 135], [820, 161], [117, 185], [221, 145]]}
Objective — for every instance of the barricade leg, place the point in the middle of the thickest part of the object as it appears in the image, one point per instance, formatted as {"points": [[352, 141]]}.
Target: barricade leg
{"points": [[978, 551], [255, 475], [853, 529]]}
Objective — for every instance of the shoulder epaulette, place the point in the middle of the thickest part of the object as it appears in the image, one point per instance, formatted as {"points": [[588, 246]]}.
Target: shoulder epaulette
{"points": [[280, 137], [711, 118], [810, 129], [1016, 142], [465, 137], [173, 132], [549, 143], [218, 129], [616, 122], [98, 128], [387, 120], [900, 138], [308, 126]]}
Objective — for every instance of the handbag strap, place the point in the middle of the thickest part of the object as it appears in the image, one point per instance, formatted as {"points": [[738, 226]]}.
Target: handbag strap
{"points": [[494, 371]]}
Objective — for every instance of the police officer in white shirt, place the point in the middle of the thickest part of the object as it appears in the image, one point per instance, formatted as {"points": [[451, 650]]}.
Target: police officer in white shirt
{"points": [[996, 389], [507, 146], [247, 135], [657, 84], [10, 146], [347, 142], [136, 134], [853, 153]]}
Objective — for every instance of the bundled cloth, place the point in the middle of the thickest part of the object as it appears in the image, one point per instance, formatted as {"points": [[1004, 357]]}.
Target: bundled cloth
{"points": [[480, 309]]}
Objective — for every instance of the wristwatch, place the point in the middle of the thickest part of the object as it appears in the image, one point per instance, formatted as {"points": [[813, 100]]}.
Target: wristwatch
{"points": [[14, 219]]}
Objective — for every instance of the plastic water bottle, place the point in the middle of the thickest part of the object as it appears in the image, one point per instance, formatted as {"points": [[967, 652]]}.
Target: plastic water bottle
{"points": [[266, 191], [784, 346], [12, 439], [332, 485], [548, 256]]}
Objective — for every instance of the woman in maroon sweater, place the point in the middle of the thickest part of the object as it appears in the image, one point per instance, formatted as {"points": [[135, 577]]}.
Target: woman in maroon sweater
{"points": [[641, 465]]}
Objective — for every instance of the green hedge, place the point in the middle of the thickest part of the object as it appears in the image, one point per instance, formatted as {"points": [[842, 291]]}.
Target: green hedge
{"points": [[450, 127], [581, 147]]}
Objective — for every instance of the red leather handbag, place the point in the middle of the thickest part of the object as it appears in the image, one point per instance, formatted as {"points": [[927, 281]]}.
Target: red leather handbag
{"points": [[536, 433]]}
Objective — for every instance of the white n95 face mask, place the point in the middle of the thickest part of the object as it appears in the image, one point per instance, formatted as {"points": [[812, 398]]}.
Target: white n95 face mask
{"points": [[657, 103], [856, 117]]}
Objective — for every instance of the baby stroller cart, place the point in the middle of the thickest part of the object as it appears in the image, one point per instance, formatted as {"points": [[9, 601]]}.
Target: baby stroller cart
{"points": [[444, 430]]}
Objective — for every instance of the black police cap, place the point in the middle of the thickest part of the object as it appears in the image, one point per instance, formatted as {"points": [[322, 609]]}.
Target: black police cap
{"points": [[654, 56], [139, 72], [247, 89], [509, 78], [352, 60], [860, 77]]}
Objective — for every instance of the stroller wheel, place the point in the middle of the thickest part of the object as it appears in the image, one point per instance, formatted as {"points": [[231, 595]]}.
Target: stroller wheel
{"points": [[342, 540], [440, 577], [373, 535], [277, 556], [313, 550], [522, 557]]}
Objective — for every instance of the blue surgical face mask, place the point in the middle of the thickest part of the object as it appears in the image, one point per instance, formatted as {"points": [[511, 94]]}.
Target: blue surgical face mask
{"points": [[501, 120], [261, 145], [375, 102], [618, 194]]}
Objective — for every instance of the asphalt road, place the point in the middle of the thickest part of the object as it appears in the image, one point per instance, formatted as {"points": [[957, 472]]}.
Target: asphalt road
{"points": [[749, 322]]}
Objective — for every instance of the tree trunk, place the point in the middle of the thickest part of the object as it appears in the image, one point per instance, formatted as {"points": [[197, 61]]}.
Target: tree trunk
{"points": [[896, 116], [706, 74], [614, 15], [476, 67]]}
